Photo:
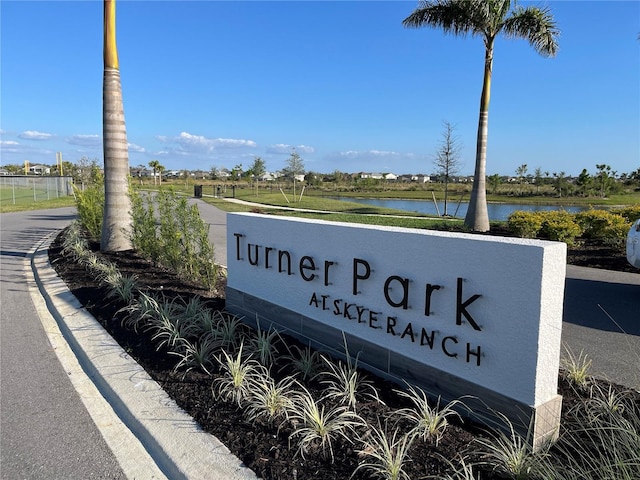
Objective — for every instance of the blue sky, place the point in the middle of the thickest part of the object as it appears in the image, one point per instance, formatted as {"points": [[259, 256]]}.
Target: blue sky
{"points": [[214, 84]]}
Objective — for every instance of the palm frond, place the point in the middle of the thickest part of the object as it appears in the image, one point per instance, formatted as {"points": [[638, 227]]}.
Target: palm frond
{"points": [[537, 26]]}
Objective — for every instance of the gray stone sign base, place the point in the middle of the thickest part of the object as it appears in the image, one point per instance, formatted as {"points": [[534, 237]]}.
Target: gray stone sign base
{"points": [[538, 424]]}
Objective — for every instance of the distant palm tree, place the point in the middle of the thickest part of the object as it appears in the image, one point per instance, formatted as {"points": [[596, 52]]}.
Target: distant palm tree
{"points": [[116, 223], [155, 165], [487, 18]]}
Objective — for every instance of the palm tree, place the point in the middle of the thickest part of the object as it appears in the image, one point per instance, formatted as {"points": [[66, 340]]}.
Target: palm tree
{"points": [[117, 221], [487, 18], [155, 164]]}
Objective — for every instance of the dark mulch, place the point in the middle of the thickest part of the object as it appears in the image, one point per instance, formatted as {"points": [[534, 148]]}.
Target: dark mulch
{"points": [[261, 447]]}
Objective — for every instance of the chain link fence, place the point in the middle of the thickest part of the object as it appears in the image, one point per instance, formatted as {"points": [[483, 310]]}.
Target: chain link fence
{"points": [[18, 189]]}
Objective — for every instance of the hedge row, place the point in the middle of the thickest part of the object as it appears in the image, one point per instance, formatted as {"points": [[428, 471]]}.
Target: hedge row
{"points": [[610, 226]]}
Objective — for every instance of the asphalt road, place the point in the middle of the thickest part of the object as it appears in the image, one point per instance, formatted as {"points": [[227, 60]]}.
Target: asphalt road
{"points": [[46, 432], [45, 429], [602, 319]]}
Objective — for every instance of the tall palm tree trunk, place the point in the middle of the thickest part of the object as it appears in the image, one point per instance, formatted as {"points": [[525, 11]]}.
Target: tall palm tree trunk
{"points": [[116, 222], [477, 218]]}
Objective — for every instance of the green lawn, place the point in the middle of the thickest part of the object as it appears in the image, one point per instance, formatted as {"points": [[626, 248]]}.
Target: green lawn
{"points": [[21, 199], [343, 212]]}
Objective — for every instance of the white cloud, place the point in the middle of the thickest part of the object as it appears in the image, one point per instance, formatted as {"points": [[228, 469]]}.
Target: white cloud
{"points": [[136, 148], [200, 143], [370, 153], [285, 148], [34, 135], [85, 140], [187, 143], [9, 146], [279, 148]]}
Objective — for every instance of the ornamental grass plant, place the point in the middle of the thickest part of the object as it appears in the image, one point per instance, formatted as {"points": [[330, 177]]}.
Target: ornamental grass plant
{"points": [[271, 401], [426, 419], [306, 362], [385, 454], [576, 369], [317, 426], [239, 375]]}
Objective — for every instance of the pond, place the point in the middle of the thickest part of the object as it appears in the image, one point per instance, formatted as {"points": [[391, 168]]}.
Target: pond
{"points": [[497, 211]]}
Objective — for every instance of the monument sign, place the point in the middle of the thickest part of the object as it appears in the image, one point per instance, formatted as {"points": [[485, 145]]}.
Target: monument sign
{"points": [[459, 315]]}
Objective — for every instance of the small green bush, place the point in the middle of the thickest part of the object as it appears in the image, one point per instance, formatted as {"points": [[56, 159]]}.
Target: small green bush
{"points": [[525, 224], [630, 213], [144, 237], [603, 225], [560, 226], [180, 242], [90, 206]]}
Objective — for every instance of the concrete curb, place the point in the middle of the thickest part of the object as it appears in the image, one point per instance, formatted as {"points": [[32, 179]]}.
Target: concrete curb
{"points": [[171, 437]]}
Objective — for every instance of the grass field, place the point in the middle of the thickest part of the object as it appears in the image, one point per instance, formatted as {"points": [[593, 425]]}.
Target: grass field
{"points": [[20, 199]]}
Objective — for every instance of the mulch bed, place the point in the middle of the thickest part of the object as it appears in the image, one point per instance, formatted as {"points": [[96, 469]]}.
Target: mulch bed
{"points": [[261, 447]]}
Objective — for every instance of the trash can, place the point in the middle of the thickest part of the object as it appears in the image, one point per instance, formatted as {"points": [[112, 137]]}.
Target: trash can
{"points": [[197, 191]]}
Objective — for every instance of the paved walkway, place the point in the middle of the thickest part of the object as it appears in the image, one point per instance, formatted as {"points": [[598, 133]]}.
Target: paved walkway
{"points": [[53, 398], [46, 431]]}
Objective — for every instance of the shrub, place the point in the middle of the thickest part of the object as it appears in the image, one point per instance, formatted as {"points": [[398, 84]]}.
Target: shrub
{"points": [[560, 226], [525, 224], [144, 237], [631, 213], [90, 206], [181, 242], [603, 225]]}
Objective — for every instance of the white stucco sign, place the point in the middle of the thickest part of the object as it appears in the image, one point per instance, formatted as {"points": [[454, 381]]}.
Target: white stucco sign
{"points": [[464, 310]]}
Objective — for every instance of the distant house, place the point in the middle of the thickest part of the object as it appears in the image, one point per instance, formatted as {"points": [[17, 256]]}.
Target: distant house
{"points": [[39, 170], [390, 177], [420, 178], [374, 176], [140, 172], [199, 174], [267, 177], [412, 177]]}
